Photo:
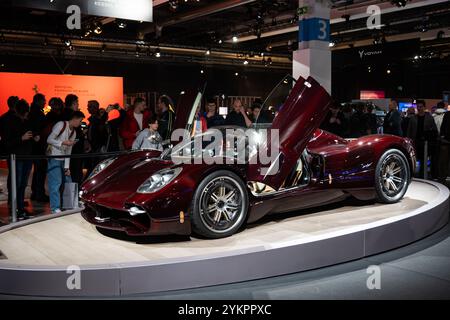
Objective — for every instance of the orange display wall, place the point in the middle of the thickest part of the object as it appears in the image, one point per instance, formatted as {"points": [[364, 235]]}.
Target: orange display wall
{"points": [[106, 90]]}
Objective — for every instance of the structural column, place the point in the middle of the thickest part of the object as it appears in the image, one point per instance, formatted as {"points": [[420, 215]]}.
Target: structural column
{"points": [[313, 56]]}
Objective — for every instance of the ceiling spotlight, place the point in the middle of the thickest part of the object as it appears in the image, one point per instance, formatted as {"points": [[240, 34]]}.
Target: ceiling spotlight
{"points": [[235, 39], [399, 3], [258, 32], [157, 53], [388, 71], [138, 52], [245, 61], [201, 71], [219, 41], [332, 44], [208, 52], [98, 30], [121, 24], [236, 74], [369, 69], [67, 42], [377, 39], [173, 5], [269, 61], [71, 48], [416, 57]]}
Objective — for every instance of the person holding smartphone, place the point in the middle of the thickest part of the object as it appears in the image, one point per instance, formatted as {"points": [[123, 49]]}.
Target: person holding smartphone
{"points": [[60, 142]]}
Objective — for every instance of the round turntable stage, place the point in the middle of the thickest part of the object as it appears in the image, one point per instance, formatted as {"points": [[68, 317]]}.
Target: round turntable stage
{"points": [[36, 256]]}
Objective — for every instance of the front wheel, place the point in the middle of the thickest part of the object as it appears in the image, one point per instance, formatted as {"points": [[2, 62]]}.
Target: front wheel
{"points": [[220, 205], [392, 176]]}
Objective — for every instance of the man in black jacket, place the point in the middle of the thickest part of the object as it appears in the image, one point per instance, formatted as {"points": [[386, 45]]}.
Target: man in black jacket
{"points": [[37, 121], [238, 116], [393, 120], [166, 117], [422, 129], [19, 141], [5, 118], [445, 148]]}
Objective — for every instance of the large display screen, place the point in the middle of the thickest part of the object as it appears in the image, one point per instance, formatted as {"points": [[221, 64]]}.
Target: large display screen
{"points": [[404, 106], [106, 90], [371, 94]]}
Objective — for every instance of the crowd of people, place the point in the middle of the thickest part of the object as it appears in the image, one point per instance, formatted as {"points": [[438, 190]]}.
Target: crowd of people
{"points": [[25, 130], [429, 129]]}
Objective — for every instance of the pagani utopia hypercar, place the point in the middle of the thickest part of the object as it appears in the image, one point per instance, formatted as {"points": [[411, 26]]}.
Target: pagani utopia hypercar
{"points": [[149, 193]]}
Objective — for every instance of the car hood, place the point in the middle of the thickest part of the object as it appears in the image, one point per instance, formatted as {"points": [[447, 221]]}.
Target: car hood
{"points": [[121, 183]]}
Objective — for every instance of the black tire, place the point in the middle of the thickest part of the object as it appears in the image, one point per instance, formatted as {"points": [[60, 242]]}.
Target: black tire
{"points": [[392, 176], [217, 211]]}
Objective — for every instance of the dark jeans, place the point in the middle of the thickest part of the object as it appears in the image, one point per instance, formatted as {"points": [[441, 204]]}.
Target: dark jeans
{"points": [[420, 149], [39, 175], [23, 168], [8, 181], [76, 170]]}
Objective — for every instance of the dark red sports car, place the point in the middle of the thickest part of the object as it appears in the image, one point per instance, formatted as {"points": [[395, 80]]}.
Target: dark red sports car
{"points": [[152, 193]]}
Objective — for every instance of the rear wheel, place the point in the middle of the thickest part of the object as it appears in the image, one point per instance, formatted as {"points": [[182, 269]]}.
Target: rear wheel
{"points": [[392, 176], [220, 205]]}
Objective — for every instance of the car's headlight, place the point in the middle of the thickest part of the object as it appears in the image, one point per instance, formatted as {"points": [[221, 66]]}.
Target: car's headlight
{"points": [[158, 180], [101, 166]]}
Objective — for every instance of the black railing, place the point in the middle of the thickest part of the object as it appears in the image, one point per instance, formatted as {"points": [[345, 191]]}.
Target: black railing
{"points": [[12, 188]]}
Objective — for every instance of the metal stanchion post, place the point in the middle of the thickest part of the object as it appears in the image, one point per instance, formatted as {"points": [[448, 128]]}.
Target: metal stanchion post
{"points": [[13, 189], [425, 160]]}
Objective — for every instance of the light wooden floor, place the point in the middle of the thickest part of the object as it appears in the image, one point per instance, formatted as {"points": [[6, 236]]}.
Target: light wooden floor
{"points": [[71, 240]]}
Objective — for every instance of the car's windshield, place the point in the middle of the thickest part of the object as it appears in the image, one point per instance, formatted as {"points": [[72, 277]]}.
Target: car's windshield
{"points": [[274, 102]]}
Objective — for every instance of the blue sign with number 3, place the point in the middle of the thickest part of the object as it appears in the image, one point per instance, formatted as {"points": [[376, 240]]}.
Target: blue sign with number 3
{"points": [[314, 29]]}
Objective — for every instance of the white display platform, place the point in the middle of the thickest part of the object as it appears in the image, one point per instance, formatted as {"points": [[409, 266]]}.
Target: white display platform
{"points": [[37, 255]]}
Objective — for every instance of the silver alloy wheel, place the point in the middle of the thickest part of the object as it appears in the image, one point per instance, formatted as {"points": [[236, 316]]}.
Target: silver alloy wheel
{"points": [[393, 175], [221, 204]]}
